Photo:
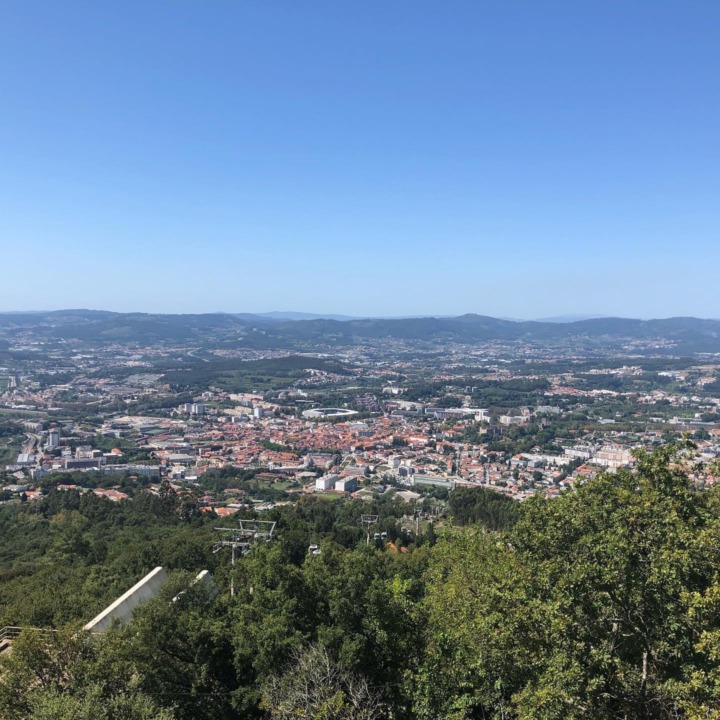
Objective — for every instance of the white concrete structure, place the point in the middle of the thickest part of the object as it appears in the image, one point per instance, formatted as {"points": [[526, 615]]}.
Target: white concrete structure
{"points": [[537, 460], [348, 484], [548, 410], [122, 609], [612, 457], [513, 419], [204, 577], [192, 408], [328, 413], [582, 452], [326, 482]]}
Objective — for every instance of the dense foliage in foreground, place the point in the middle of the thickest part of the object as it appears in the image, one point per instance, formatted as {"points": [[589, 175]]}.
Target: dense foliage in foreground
{"points": [[603, 603]]}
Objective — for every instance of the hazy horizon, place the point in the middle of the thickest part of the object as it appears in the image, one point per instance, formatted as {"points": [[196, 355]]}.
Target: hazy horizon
{"points": [[561, 317]]}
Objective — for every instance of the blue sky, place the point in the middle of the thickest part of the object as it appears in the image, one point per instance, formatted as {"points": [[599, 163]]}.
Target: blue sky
{"points": [[385, 157]]}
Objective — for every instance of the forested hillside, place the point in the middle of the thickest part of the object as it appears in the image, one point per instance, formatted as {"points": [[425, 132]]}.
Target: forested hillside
{"points": [[602, 603], [684, 335]]}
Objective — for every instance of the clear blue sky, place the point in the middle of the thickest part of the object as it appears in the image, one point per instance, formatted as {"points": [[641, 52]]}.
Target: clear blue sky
{"points": [[383, 157]]}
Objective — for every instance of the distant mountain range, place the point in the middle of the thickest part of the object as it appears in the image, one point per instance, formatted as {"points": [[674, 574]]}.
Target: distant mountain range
{"points": [[680, 335]]}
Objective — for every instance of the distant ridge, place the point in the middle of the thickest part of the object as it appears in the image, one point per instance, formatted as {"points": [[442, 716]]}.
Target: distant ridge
{"points": [[677, 335]]}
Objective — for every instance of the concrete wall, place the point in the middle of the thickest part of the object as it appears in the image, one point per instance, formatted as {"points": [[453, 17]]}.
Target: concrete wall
{"points": [[204, 577], [122, 609]]}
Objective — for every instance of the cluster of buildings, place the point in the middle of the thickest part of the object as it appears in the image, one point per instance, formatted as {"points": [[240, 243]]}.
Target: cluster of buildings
{"points": [[378, 438]]}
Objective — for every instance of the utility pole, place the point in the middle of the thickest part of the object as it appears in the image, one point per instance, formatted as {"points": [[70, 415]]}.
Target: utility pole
{"points": [[368, 520], [243, 538]]}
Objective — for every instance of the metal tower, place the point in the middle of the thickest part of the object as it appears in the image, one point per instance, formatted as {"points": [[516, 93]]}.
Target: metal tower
{"points": [[243, 539]]}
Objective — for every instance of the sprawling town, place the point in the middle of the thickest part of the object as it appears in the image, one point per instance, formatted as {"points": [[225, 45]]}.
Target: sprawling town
{"points": [[238, 427]]}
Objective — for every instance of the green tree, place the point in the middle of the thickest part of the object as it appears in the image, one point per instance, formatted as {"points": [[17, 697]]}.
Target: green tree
{"points": [[65, 676], [598, 604]]}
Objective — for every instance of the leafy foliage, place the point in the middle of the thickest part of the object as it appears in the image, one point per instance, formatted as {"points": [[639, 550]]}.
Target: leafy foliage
{"points": [[480, 505], [586, 609], [601, 603]]}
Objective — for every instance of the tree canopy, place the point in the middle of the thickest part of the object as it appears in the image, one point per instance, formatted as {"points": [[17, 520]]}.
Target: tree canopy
{"points": [[601, 603]]}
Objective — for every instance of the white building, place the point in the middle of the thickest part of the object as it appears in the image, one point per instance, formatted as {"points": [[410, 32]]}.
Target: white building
{"points": [[612, 457], [513, 419], [192, 409], [548, 410], [326, 482], [349, 484], [580, 452]]}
